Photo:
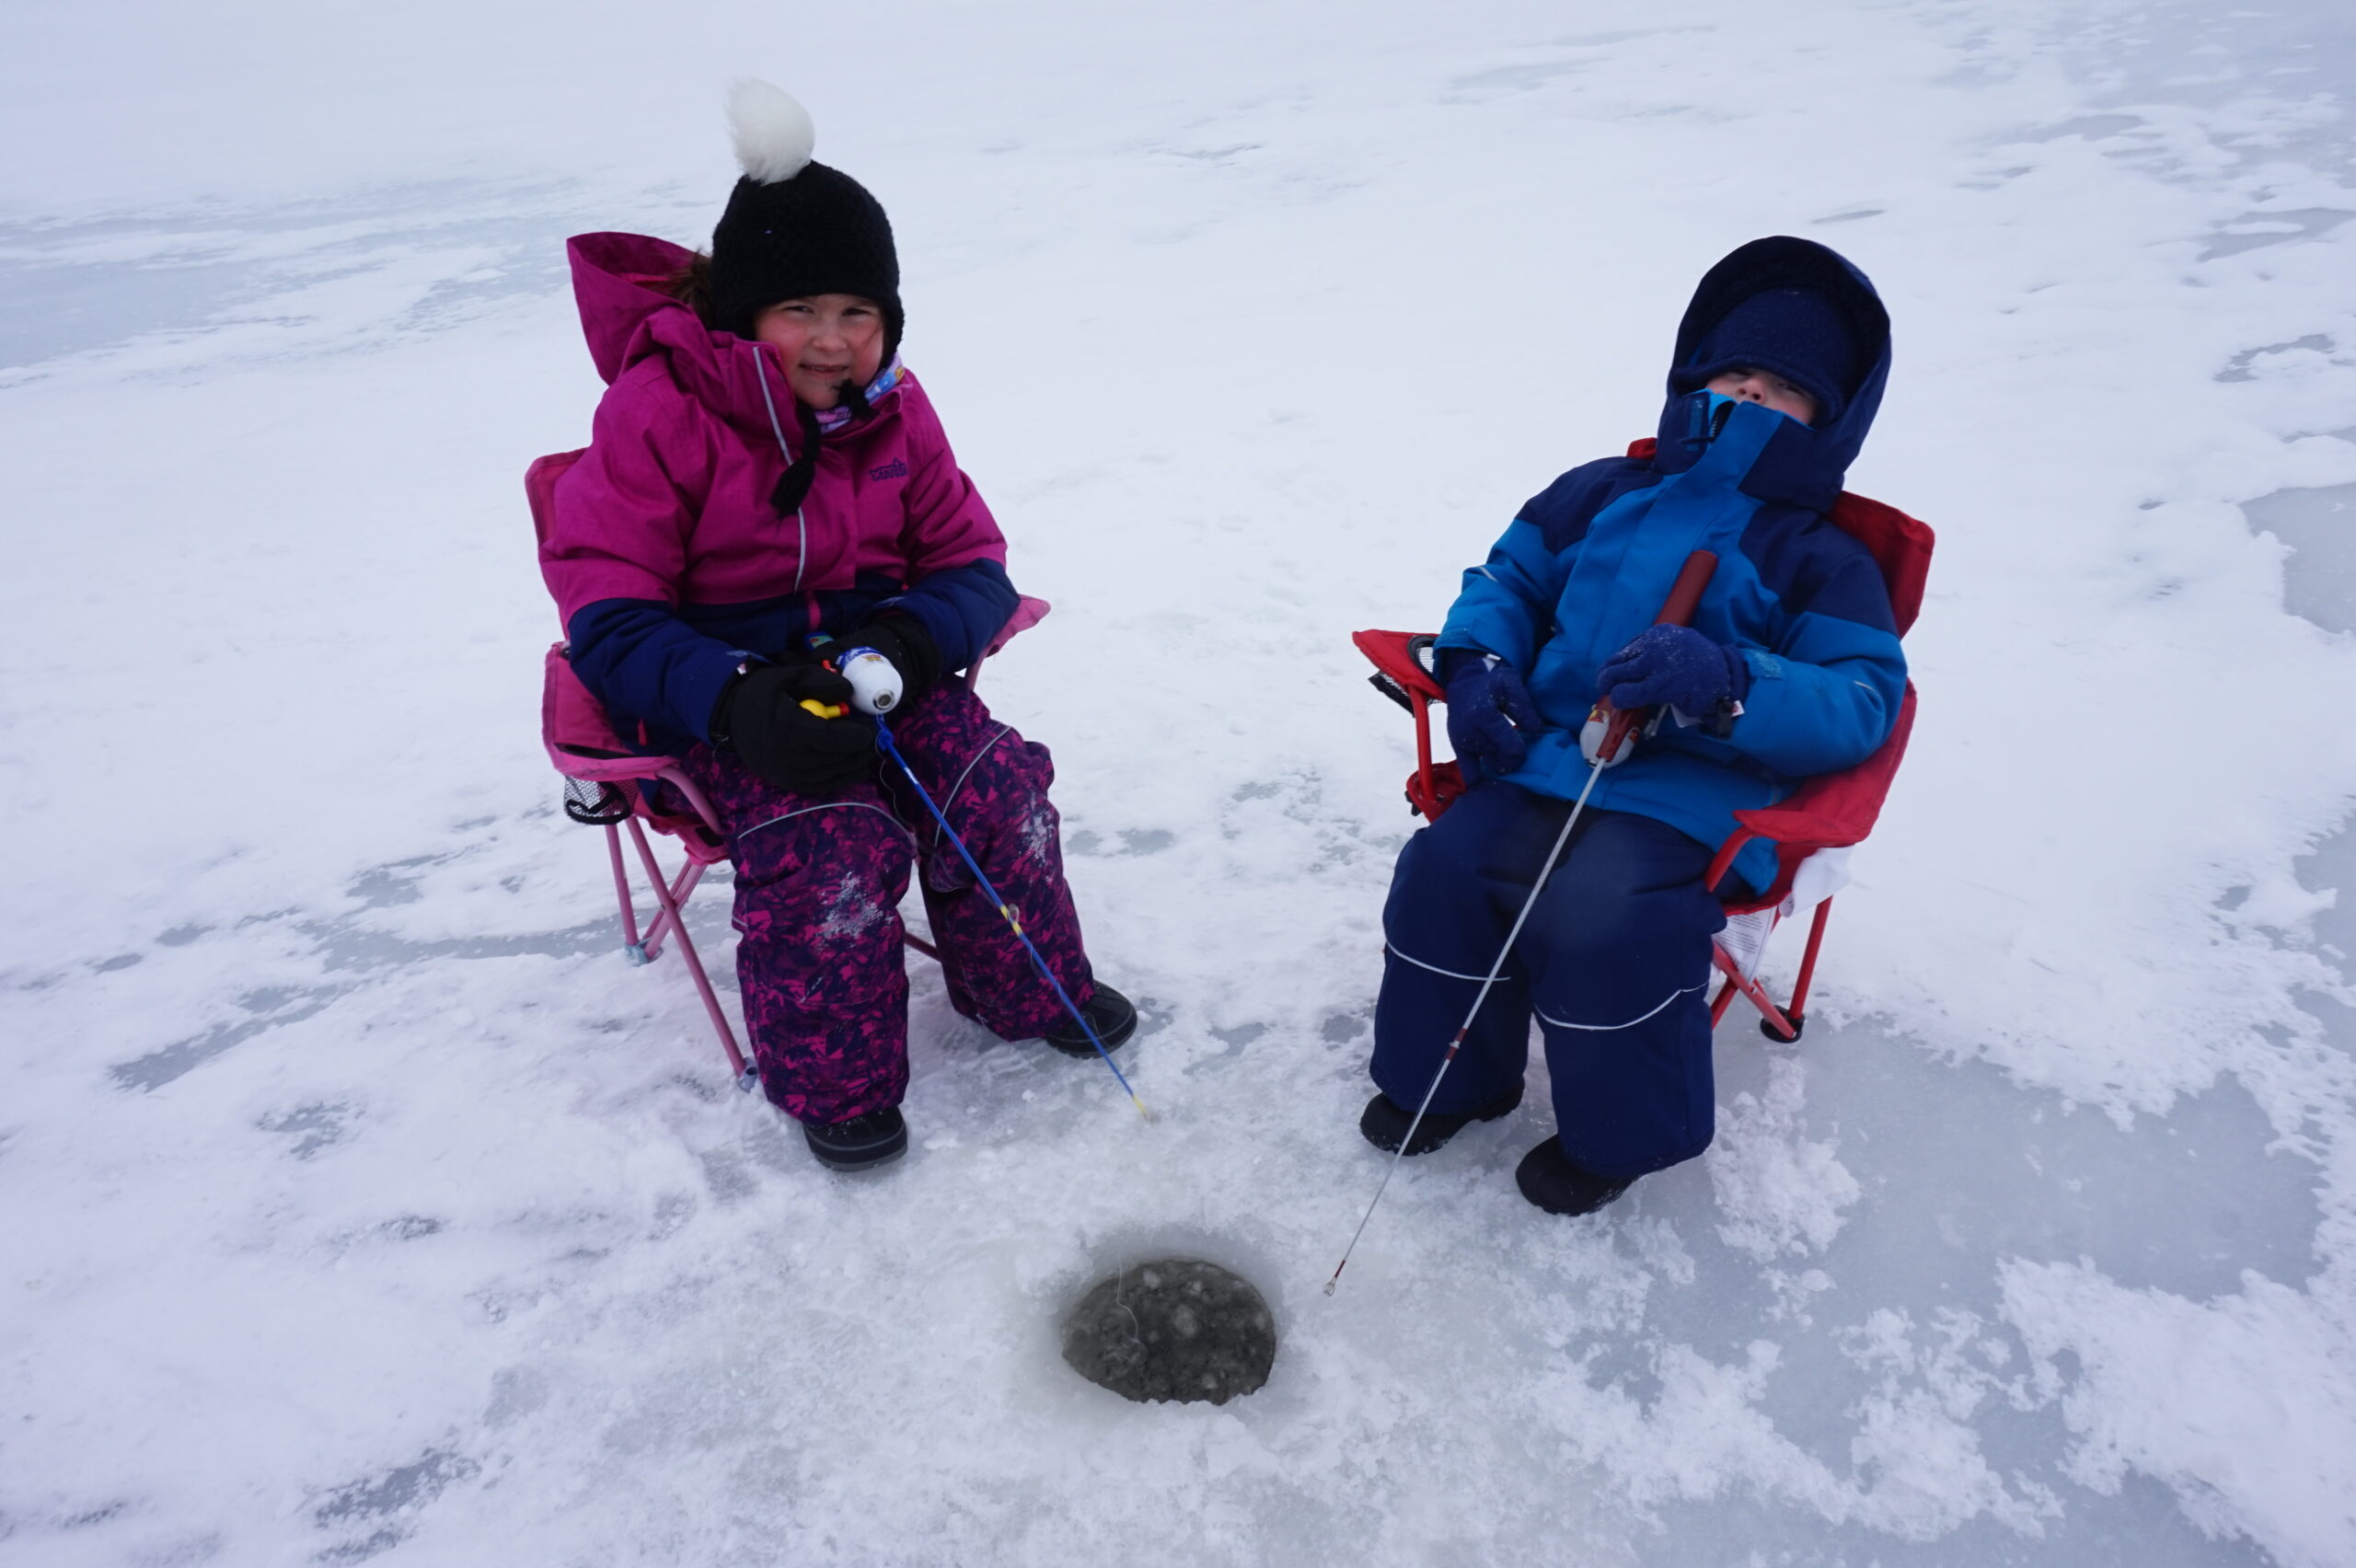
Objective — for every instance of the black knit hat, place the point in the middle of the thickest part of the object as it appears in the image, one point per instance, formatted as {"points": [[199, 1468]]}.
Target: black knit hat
{"points": [[794, 227], [1795, 333]]}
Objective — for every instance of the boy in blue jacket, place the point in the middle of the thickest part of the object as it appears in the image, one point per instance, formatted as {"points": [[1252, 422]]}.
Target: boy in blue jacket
{"points": [[1790, 667]]}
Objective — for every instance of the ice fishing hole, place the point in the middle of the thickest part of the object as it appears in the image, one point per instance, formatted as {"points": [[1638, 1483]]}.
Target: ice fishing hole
{"points": [[1172, 1329]]}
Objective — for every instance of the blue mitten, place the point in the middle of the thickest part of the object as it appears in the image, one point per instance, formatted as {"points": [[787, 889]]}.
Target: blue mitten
{"points": [[1677, 665], [1488, 712]]}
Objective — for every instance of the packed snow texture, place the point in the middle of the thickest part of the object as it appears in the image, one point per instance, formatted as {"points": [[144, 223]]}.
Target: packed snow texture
{"points": [[363, 1202]]}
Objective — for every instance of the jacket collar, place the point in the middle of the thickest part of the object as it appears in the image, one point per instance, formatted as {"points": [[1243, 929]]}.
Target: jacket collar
{"points": [[1764, 454]]}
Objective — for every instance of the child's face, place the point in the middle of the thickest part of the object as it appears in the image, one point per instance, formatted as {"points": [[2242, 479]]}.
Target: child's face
{"points": [[1759, 386], [825, 340]]}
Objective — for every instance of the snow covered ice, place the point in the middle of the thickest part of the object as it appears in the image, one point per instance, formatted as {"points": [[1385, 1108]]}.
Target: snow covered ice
{"points": [[363, 1202]]}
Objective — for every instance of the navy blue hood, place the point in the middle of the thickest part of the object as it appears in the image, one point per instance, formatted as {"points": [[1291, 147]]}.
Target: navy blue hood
{"points": [[1803, 465]]}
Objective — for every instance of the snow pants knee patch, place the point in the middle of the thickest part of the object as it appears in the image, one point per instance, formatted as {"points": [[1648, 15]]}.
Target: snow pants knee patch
{"points": [[818, 959], [1441, 932], [1613, 962], [992, 785]]}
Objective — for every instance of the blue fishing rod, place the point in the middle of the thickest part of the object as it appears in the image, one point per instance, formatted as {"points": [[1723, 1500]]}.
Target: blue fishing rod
{"points": [[875, 691]]}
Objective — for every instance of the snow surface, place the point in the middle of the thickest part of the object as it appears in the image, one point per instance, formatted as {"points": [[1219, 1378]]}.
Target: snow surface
{"points": [[361, 1202]]}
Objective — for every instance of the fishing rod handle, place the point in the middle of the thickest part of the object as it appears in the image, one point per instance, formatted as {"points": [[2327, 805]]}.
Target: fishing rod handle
{"points": [[1617, 737], [1685, 593]]}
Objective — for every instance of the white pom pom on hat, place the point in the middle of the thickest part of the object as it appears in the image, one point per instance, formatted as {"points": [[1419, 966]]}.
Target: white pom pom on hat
{"points": [[794, 227], [772, 131]]}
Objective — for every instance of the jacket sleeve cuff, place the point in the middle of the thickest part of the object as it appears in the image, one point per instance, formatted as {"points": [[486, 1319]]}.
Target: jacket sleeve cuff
{"points": [[696, 686], [962, 609], [1449, 662]]}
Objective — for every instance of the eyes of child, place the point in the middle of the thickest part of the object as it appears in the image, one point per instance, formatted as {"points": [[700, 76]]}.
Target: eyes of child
{"points": [[798, 310]]}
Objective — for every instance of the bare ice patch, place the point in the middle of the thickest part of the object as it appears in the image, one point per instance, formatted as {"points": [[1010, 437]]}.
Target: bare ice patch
{"points": [[2320, 524]]}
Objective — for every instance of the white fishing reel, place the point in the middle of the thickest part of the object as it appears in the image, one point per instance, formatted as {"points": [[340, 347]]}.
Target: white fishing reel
{"points": [[875, 680]]}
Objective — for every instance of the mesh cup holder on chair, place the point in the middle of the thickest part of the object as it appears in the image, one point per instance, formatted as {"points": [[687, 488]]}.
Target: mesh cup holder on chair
{"points": [[596, 803]]}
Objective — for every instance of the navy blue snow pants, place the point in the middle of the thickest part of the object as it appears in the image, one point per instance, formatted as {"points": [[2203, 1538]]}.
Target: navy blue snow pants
{"points": [[1614, 964]]}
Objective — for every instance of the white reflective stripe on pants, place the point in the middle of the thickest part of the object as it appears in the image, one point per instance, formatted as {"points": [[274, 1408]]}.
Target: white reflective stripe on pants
{"points": [[1606, 1028]]}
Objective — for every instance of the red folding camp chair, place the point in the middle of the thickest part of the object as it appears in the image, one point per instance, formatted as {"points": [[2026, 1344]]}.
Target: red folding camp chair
{"points": [[1818, 822], [603, 788]]}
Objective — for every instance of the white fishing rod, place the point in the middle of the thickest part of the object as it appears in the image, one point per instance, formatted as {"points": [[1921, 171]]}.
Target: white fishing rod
{"points": [[1607, 737]]}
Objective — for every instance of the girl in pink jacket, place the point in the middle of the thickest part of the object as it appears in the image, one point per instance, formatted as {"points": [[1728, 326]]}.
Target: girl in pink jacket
{"points": [[764, 476]]}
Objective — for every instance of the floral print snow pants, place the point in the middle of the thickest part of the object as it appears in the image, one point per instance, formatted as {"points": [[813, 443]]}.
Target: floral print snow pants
{"points": [[819, 880]]}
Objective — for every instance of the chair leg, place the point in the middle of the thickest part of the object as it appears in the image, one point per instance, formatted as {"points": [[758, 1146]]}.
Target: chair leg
{"points": [[690, 875], [670, 896], [746, 1078], [1728, 991], [1808, 960], [622, 892], [1773, 1019]]}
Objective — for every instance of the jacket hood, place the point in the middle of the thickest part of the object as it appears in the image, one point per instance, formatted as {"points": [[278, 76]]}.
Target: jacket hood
{"points": [[618, 285], [1803, 464]]}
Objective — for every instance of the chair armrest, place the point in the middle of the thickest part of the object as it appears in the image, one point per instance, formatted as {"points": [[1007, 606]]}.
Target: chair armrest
{"points": [[1829, 811], [1394, 655]]}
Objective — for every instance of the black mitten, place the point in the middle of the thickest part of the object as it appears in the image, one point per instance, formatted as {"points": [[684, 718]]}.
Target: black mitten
{"points": [[904, 640], [759, 717]]}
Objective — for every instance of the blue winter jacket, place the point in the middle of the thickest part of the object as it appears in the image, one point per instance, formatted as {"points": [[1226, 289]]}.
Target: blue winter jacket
{"points": [[1588, 562]]}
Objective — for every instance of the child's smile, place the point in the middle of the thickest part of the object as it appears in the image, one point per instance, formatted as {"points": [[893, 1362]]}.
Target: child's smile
{"points": [[825, 340]]}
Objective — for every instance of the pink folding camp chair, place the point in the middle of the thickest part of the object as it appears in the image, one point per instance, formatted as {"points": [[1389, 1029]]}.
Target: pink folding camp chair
{"points": [[603, 780], [1812, 828]]}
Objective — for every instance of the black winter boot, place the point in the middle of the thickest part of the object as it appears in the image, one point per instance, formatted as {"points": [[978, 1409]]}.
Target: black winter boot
{"points": [[1384, 1124], [1111, 1014], [1548, 1178], [863, 1142]]}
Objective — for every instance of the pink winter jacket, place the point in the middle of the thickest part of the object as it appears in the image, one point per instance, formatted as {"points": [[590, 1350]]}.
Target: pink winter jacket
{"points": [[667, 559]]}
